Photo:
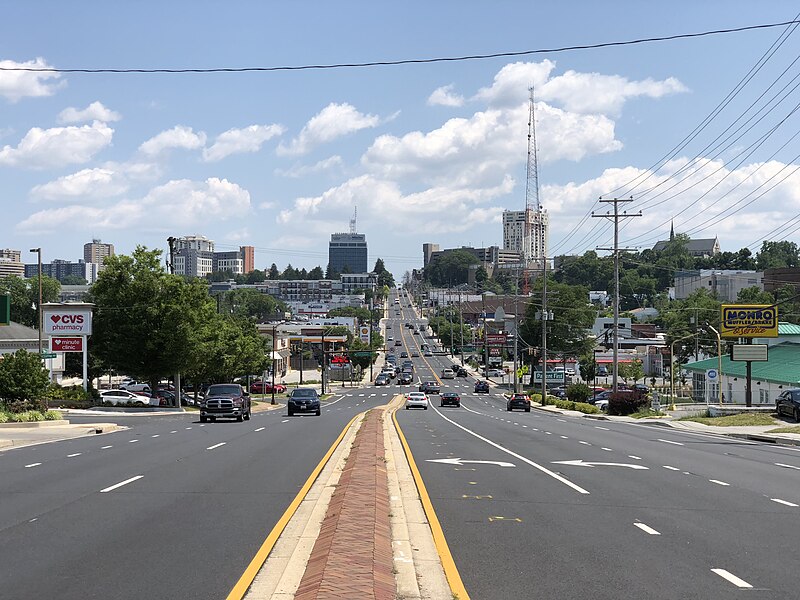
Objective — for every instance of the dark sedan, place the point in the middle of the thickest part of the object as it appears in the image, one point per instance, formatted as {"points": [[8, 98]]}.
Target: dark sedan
{"points": [[405, 378], [788, 403], [519, 401], [303, 400], [450, 399], [482, 387]]}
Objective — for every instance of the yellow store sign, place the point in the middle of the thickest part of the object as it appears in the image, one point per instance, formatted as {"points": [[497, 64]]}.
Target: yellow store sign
{"points": [[748, 320]]}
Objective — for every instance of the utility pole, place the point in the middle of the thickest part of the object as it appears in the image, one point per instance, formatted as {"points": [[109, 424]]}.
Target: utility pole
{"points": [[485, 335], [171, 241], [545, 317], [274, 345], [461, 325], [616, 216]]}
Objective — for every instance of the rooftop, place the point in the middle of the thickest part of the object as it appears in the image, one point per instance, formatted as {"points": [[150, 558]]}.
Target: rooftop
{"points": [[783, 365]]}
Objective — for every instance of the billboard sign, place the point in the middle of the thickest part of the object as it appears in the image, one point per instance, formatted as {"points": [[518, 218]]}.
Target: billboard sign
{"points": [[496, 339], [67, 322], [748, 320], [750, 352], [66, 344], [496, 351], [363, 333]]}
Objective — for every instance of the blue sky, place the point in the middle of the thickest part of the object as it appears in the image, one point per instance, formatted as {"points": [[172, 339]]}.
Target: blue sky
{"points": [[428, 153]]}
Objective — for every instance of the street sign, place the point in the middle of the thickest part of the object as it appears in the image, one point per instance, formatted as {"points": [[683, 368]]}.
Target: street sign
{"points": [[66, 344], [712, 375], [552, 377], [496, 339], [750, 352], [48, 354], [361, 354]]}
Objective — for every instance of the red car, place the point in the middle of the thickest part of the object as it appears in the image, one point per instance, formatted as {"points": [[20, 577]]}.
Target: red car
{"points": [[265, 387]]}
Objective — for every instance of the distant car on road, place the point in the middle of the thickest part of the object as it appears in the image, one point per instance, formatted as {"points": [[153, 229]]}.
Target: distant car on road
{"points": [[462, 372], [265, 387], [448, 374], [303, 400], [382, 379], [788, 403], [398, 343], [417, 400], [429, 387], [495, 373], [427, 353], [449, 399], [519, 401], [405, 378], [404, 354], [414, 354], [482, 387]]}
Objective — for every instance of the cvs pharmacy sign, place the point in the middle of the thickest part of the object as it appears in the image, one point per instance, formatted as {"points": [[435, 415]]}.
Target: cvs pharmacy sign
{"points": [[68, 322]]}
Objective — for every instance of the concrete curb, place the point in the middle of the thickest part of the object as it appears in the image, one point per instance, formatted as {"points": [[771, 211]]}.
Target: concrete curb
{"points": [[34, 424]]}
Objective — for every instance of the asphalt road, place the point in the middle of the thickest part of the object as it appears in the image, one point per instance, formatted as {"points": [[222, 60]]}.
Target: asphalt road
{"points": [[192, 505], [660, 514]]}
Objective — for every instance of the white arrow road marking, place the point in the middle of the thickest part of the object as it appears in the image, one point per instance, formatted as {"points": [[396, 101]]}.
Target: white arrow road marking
{"points": [[120, 484], [583, 463], [647, 529], [216, 445], [787, 466], [460, 461], [740, 583]]}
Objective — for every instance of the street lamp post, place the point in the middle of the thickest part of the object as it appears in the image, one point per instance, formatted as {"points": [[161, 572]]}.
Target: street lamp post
{"points": [[672, 369], [39, 306], [719, 362]]}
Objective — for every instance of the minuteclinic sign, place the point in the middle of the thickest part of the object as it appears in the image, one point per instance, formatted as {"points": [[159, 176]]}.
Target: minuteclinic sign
{"points": [[66, 344], [68, 322], [748, 320]]}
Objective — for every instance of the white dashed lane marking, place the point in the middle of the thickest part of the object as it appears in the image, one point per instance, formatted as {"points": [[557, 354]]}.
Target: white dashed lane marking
{"points": [[106, 447], [73, 455], [671, 442], [260, 429], [216, 446], [647, 529], [784, 502], [671, 468], [728, 576], [120, 484], [718, 482], [32, 465]]}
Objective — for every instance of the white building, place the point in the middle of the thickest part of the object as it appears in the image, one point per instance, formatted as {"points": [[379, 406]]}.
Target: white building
{"points": [[530, 241], [10, 263], [725, 285], [193, 256]]}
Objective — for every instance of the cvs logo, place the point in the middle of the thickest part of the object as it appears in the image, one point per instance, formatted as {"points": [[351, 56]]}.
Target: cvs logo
{"points": [[73, 319]]}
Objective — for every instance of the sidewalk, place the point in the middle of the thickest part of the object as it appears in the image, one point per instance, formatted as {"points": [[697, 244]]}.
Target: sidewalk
{"points": [[16, 435]]}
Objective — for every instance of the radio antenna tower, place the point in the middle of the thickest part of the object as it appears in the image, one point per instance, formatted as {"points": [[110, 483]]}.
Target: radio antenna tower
{"points": [[353, 228], [531, 190]]}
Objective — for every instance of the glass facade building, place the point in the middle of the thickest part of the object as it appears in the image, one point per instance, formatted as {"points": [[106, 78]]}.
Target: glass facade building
{"points": [[348, 252]]}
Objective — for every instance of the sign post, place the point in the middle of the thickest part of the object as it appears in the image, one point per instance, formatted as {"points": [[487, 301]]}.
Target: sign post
{"points": [[712, 376], [69, 326], [749, 353]]}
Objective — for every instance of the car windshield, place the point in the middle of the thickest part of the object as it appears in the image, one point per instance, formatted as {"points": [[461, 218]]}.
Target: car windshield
{"points": [[304, 393], [232, 389]]}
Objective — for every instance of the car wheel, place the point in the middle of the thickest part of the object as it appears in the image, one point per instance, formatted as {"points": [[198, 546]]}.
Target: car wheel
{"points": [[203, 419], [425, 407], [239, 418], [319, 412], [213, 419], [508, 408], [406, 408], [528, 409], [441, 404], [797, 415], [247, 416], [290, 412]]}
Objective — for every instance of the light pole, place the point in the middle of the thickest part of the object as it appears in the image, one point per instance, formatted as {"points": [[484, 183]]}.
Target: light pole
{"points": [[672, 369], [39, 306], [719, 359]]}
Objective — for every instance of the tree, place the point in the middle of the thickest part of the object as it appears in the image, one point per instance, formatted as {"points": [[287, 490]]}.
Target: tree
{"points": [[587, 367], [777, 254], [588, 270], [630, 370], [23, 380], [450, 268], [273, 272], [227, 347], [754, 295], [73, 280], [385, 278], [289, 273], [146, 321], [254, 276], [25, 296], [331, 273], [684, 317], [362, 314], [316, 274], [250, 304]]}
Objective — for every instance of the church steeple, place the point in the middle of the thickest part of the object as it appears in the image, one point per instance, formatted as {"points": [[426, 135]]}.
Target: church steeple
{"points": [[671, 231]]}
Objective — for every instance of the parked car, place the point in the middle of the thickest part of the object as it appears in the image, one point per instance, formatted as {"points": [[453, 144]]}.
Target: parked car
{"points": [[429, 387], [599, 397], [303, 400], [416, 400], [558, 392], [265, 387], [788, 403], [450, 399], [448, 374], [167, 398], [427, 353], [136, 386], [519, 401], [225, 401], [121, 397], [602, 371], [495, 373], [482, 387]]}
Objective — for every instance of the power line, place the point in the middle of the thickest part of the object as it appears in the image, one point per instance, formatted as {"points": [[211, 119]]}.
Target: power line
{"points": [[407, 61]]}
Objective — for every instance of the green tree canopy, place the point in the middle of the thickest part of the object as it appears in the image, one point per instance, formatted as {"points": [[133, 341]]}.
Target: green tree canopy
{"points": [[251, 304], [316, 273], [23, 378], [777, 254], [450, 268], [25, 296]]}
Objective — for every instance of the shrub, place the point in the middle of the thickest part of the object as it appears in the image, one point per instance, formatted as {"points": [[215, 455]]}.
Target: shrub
{"points": [[20, 406], [625, 403], [22, 377], [28, 416], [52, 415], [3, 417], [578, 392]]}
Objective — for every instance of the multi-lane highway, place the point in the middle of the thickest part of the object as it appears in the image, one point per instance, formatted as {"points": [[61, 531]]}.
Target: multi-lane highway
{"points": [[539, 505], [602, 509]]}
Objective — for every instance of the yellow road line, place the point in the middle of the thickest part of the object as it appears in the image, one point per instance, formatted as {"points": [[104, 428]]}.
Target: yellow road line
{"points": [[448, 564], [241, 587]]}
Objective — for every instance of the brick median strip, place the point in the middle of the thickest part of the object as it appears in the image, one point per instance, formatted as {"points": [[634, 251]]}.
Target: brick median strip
{"points": [[352, 557]]}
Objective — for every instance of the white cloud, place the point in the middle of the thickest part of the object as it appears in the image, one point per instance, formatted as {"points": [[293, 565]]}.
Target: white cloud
{"points": [[237, 141], [604, 94], [177, 137], [15, 85], [94, 112], [510, 85], [58, 146], [177, 203], [333, 121], [444, 96], [297, 171], [87, 183]]}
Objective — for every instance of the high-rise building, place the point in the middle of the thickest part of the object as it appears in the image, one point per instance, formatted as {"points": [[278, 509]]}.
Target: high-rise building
{"points": [[249, 258], [427, 252], [529, 240], [97, 252], [62, 269], [348, 252], [193, 256], [10, 263]]}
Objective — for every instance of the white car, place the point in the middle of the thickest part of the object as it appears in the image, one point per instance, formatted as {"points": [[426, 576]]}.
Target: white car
{"points": [[448, 374], [123, 397], [495, 373], [417, 400]]}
